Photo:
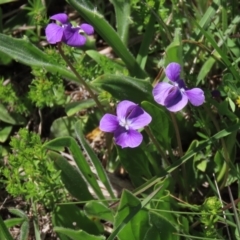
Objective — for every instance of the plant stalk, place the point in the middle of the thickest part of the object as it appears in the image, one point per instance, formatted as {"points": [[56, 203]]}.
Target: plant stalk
{"points": [[80, 78]]}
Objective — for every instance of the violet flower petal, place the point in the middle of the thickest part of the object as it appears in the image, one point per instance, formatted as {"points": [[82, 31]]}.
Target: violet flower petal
{"points": [[130, 138], [73, 38], [161, 91], [173, 71], [195, 96], [61, 17], [108, 123], [54, 33], [176, 100], [139, 118], [124, 108], [181, 84], [87, 28]]}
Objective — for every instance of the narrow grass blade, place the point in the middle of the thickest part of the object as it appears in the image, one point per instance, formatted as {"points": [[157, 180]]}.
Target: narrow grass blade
{"points": [[202, 145], [4, 233], [234, 210], [122, 11], [219, 51], [94, 159], [147, 39]]}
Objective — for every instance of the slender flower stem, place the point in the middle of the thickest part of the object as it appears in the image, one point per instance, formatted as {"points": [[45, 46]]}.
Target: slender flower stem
{"points": [[80, 78], [154, 140], [177, 134]]}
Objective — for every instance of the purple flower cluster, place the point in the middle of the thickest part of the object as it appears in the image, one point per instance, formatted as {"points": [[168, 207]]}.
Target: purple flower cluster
{"points": [[130, 117], [175, 95], [63, 31]]}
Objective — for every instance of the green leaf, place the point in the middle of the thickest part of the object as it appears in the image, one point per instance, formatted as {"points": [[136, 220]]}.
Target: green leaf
{"points": [[74, 107], [202, 165], [218, 55], [123, 87], [24, 230], [4, 133], [147, 38], [174, 50], [135, 163], [18, 213], [65, 215], [4, 233], [71, 178], [123, 18], [160, 229], [102, 27], [25, 52], [224, 57], [130, 212], [79, 159], [160, 123], [102, 59], [11, 118], [63, 126], [7, 1], [77, 234], [138, 225], [13, 222], [204, 144], [98, 210], [94, 159]]}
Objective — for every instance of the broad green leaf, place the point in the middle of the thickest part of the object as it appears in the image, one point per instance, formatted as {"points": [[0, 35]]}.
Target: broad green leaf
{"points": [[88, 11], [25, 52], [74, 107], [79, 159], [63, 126], [13, 222], [24, 230], [138, 225], [130, 211], [5, 132], [4, 233], [18, 213], [160, 229], [77, 234], [123, 87], [123, 18], [135, 163], [98, 210], [11, 118], [71, 178], [65, 215], [94, 159]]}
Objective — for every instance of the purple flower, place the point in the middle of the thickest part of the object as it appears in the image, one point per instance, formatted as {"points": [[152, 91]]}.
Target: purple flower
{"points": [[175, 96], [130, 117], [65, 32]]}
